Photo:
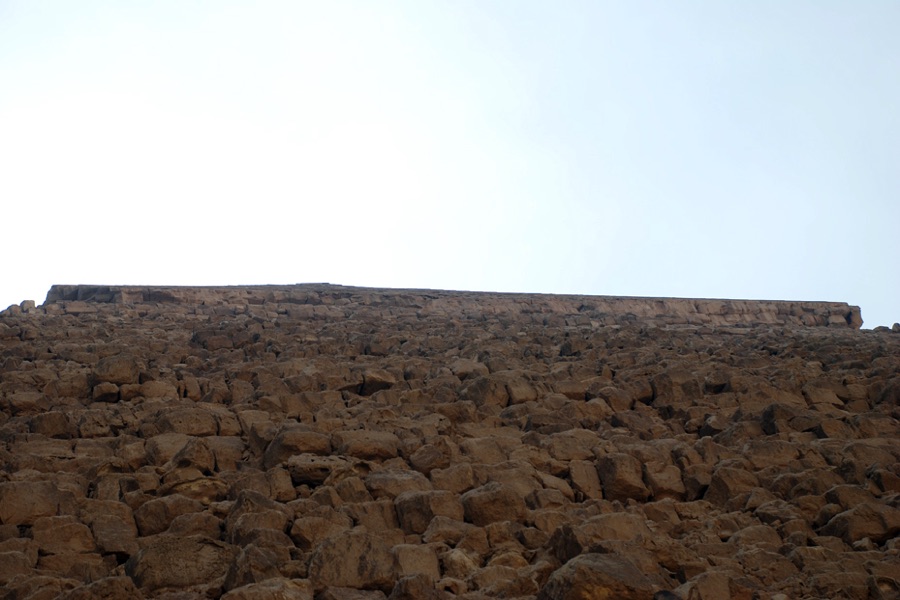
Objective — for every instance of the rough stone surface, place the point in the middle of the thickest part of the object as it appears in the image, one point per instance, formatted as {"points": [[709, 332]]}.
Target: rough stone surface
{"points": [[179, 562], [591, 575], [318, 441]]}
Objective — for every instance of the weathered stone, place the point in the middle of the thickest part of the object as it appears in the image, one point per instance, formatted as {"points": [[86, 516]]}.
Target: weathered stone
{"points": [[369, 445], [163, 448], [664, 481], [273, 589], [356, 559], [312, 469], [622, 477], [156, 515], [429, 457], [728, 482], [295, 440], [83, 566], [875, 521], [329, 442], [105, 392], [23, 502], [390, 484], [344, 593], [15, 564], [569, 541], [198, 523], [119, 369], [308, 531], [188, 421], [252, 564], [416, 509], [61, 535], [179, 562], [457, 478], [585, 480], [598, 576], [491, 503], [415, 559], [108, 588]]}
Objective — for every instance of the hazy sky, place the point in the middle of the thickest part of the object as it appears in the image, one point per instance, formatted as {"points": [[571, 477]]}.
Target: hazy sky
{"points": [[698, 149]]}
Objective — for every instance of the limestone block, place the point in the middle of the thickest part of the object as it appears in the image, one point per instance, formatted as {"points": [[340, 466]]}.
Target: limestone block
{"points": [[415, 559], [365, 444], [598, 575], [392, 483], [156, 515], [169, 561], [62, 535], [23, 502], [293, 440], [273, 589], [491, 503], [356, 559], [622, 477], [416, 509], [118, 369], [585, 480], [108, 588]]}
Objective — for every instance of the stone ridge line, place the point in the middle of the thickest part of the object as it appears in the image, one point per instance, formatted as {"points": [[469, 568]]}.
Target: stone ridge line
{"points": [[600, 310]]}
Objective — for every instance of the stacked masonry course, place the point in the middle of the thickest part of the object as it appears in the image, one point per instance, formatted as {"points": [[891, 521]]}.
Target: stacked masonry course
{"points": [[329, 443]]}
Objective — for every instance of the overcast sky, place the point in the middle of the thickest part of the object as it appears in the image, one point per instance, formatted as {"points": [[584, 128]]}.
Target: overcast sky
{"points": [[693, 149]]}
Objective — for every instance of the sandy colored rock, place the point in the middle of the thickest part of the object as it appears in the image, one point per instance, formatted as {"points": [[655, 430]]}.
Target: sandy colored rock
{"points": [[369, 445], [416, 559], [728, 482], [179, 562], [491, 503], [273, 589], [868, 520], [585, 480], [622, 477], [295, 440], [61, 535], [109, 588], [598, 576], [155, 516], [356, 559], [318, 441], [415, 509], [392, 483], [119, 369], [23, 502]]}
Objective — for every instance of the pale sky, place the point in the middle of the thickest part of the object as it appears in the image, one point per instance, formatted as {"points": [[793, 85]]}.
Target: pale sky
{"points": [[694, 149]]}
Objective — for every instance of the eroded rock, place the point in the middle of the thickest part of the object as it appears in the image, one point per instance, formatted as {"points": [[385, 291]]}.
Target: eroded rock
{"points": [[328, 442]]}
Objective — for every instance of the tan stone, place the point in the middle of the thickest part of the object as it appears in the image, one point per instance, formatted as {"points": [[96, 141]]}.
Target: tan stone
{"points": [[491, 503], [585, 479], [600, 576], [357, 559], [118, 369], [310, 429], [415, 559], [156, 515], [369, 445], [23, 502], [416, 509], [273, 589], [62, 535], [622, 477], [179, 562], [312, 469], [308, 531], [392, 483], [875, 521], [295, 440]]}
